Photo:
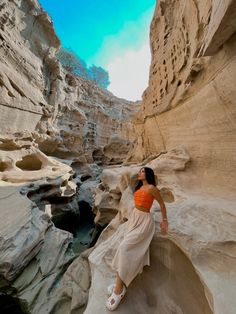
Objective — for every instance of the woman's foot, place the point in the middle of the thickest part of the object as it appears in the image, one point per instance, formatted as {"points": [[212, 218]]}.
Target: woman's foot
{"points": [[114, 300], [111, 288]]}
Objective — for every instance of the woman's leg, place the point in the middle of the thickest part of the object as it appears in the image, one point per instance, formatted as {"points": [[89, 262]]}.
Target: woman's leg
{"points": [[119, 285], [118, 293]]}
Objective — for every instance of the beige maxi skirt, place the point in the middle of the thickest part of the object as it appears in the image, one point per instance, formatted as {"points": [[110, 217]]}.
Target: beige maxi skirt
{"points": [[133, 251]]}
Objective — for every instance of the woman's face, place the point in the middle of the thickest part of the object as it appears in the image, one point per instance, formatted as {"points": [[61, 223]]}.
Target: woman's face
{"points": [[141, 174]]}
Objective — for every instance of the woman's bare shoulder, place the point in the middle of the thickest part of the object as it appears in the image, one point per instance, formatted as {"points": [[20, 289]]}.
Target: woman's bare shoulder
{"points": [[153, 188]]}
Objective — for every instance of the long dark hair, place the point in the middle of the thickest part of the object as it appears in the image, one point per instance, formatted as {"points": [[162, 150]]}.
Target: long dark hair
{"points": [[150, 177]]}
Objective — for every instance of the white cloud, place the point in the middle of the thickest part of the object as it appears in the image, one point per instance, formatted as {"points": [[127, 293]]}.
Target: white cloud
{"points": [[126, 56], [129, 73], [132, 35]]}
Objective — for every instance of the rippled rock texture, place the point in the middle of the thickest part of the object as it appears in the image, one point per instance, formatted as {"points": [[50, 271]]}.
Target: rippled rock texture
{"points": [[55, 129], [191, 95], [65, 116], [192, 267], [186, 132]]}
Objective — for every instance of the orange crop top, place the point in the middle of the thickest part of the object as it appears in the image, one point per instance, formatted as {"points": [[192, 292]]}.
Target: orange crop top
{"points": [[143, 198]]}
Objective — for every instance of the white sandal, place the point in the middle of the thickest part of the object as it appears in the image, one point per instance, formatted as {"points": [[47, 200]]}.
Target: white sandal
{"points": [[116, 298], [110, 288]]}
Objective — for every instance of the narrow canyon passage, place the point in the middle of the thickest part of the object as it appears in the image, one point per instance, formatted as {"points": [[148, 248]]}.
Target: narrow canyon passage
{"points": [[70, 152], [10, 305]]}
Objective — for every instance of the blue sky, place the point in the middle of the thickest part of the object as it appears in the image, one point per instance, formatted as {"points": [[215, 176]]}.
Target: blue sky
{"points": [[112, 34]]}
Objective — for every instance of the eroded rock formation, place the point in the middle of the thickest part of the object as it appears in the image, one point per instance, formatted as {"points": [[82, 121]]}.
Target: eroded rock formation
{"points": [[191, 95], [54, 131], [189, 270], [66, 116], [185, 131]]}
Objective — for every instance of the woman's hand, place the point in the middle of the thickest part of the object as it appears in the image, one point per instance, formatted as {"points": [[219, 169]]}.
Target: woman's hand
{"points": [[156, 194], [164, 226]]}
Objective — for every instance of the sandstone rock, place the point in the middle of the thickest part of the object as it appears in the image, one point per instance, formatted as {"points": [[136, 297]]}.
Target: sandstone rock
{"points": [[189, 109], [117, 179], [22, 232], [105, 206], [25, 235], [194, 255], [24, 163], [221, 26], [68, 117], [185, 131], [68, 296], [35, 255], [191, 95], [46, 112], [174, 160], [116, 150], [72, 294]]}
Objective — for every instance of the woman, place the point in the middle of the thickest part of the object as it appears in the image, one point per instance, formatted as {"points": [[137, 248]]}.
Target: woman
{"points": [[133, 252]]}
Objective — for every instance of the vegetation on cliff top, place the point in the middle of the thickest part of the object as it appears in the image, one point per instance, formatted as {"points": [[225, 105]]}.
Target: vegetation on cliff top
{"points": [[75, 65]]}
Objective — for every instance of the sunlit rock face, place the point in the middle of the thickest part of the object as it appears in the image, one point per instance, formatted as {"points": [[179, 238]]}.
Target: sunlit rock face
{"points": [[55, 129], [191, 95], [189, 270], [67, 117], [186, 132]]}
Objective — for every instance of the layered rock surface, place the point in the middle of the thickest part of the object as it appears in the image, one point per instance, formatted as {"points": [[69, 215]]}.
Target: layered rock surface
{"points": [[186, 126], [192, 267], [50, 121], [191, 95], [185, 131], [67, 117]]}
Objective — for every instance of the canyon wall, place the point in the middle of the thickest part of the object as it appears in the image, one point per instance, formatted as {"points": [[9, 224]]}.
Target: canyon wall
{"points": [[64, 116], [186, 132], [55, 129], [191, 95]]}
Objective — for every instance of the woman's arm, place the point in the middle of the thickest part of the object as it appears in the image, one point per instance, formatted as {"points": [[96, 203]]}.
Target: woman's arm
{"points": [[156, 194]]}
